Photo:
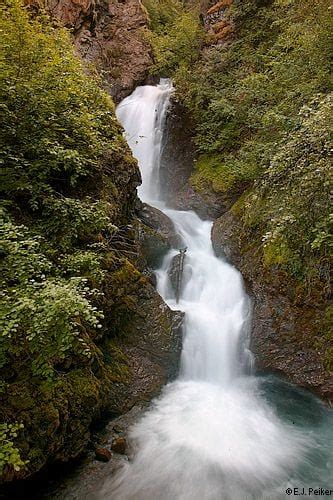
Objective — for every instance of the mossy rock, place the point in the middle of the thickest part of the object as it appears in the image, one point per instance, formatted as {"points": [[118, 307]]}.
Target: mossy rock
{"points": [[210, 171]]}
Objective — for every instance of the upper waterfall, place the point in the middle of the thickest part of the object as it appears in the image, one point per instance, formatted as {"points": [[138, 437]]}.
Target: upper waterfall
{"points": [[148, 106]]}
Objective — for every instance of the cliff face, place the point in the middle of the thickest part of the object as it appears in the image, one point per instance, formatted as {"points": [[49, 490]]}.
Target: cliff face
{"points": [[287, 328], [110, 34], [71, 238]]}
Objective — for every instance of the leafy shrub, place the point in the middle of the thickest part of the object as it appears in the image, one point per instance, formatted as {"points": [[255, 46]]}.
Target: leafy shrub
{"points": [[9, 454], [175, 37], [65, 167], [57, 123], [162, 13], [68, 221], [43, 317]]}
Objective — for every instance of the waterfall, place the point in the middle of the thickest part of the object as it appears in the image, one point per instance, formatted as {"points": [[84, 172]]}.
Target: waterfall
{"points": [[211, 435], [142, 115]]}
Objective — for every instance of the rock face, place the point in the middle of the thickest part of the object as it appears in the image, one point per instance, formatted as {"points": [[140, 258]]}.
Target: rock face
{"points": [[151, 343], [217, 22], [178, 158], [283, 328], [178, 152], [110, 35], [156, 234], [207, 204]]}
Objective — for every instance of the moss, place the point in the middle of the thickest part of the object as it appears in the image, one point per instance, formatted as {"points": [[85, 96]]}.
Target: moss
{"points": [[127, 272], [81, 384], [211, 172], [276, 252], [116, 362], [20, 397], [239, 206]]}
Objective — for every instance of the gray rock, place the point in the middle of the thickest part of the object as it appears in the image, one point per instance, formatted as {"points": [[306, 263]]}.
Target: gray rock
{"points": [[160, 223], [173, 271], [283, 329]]}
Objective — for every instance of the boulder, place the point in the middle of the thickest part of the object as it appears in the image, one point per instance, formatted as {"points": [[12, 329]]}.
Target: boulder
{"points": [[153, 247], [103, 454], [156, 236], [119, 445], [156, 220]]}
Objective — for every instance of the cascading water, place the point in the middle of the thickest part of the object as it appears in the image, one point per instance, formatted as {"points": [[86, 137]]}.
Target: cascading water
{"points": [[211, 434]]}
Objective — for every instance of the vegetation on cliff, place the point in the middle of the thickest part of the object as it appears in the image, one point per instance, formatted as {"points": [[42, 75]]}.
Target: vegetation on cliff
{"points": [[175, 35], [68, 179], [260, 94], [261, 102]]}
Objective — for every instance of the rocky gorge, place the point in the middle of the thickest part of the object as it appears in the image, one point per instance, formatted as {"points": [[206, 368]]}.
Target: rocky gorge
{"points": [[138, 349], [285, 326]]}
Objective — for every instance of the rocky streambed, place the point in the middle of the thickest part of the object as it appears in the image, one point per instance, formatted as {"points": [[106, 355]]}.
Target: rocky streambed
{"points": [[284, 328]]}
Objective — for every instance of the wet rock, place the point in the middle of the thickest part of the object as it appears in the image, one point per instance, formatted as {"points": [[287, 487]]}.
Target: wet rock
{"points": [[159, 222], [284, 330], [173, 271], [177, 165], [103, 454], [207, 204], [153, 247], [156, 235], [119, 445], [178, 152]]}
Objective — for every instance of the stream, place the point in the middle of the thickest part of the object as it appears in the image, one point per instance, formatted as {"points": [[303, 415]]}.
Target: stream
{"points": [[219, 431]]}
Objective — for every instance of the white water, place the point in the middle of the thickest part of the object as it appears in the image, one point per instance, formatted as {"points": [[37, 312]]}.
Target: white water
{"points": [[210, 435]]}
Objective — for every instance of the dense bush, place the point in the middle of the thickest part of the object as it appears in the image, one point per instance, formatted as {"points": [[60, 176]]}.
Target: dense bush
{"points": [[9, 454], [175, 35], [59, 141]]}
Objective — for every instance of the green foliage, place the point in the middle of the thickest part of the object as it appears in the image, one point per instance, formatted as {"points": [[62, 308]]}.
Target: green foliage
{"points": [[67, 221], [9, 454], [175, 37], [262, 107], [85, 263], [162, 13], [65, 166], [59, 142], [43, 317], [57, 123], [209, 171], [299, 175]]}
